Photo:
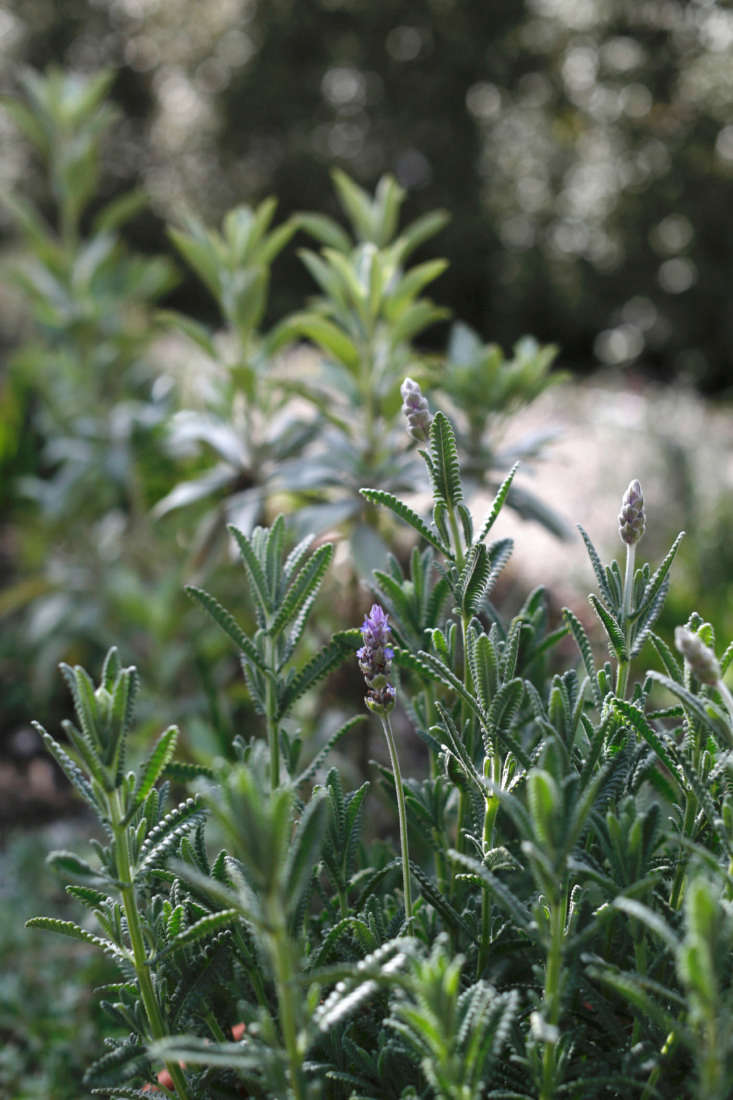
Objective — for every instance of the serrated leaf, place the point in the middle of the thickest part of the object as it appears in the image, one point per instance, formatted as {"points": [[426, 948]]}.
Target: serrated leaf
{"points": [[69, 767], [444, 458], [182, 771], [202, 1052], [597, 567], [154, 766], [227, 623], [355, 984], [510, 654], [321, 755], [505, 705], [647, 916], [484, 669], [305, 849], [122, 1092], [303, 588], [74, 865], [616, 640], [499, 554], [726, 659], [652, 589], [581, 638], [498, 502], [474, 578], [89, 897], [168, 831], [516, 909], [253, 567], [198, 931], [75, 932], [638, 720], [440, 903], [380, 496]]}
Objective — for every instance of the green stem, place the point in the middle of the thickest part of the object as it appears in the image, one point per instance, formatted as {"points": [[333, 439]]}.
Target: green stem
{"points": [[455, 537], [441, 870], [402, 813], [622, 672], [216, 1030], [492, 771], [273, 738], [553, 975], [367, 381], [137, 940], [641, 969], [687, 825], [284, 970], [667, 1046], [468, 684]]}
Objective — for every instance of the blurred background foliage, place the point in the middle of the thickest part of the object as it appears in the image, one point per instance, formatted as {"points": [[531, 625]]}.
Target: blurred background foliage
{"points": [[134, 433], [583, 147], [583, 152]]}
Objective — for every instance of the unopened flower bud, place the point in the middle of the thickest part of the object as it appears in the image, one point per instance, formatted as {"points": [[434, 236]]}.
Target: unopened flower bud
{"points": [[631, 518], [375, 661], [702, 661], [415, 408]]}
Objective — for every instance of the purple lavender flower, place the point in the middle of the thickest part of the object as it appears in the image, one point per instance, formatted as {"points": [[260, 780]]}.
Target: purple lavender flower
{"points": [[375, 660], [415, 408]]}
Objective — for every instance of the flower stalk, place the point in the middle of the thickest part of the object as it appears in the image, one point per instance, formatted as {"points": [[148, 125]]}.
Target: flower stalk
{"points": [[631, 527], [375, 662], [137, 942]]}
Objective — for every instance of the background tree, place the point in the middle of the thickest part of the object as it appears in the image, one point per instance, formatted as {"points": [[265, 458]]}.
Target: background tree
{"points": [[585, 149]]}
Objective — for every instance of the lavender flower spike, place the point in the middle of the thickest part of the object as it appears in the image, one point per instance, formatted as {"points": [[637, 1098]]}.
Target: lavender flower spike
{"points": [[375, 661], [631, 520], [702, 661], [415, 408]]}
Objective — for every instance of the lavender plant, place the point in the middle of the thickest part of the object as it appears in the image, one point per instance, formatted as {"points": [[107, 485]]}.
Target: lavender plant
{"points": [[321, 432], [554, 936], [547, 911]]}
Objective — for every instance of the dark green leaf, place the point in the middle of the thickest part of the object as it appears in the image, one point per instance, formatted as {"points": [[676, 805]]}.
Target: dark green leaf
{"points": [[637, 719], [444, 459], [498, 502], [228, 624], [616, 640], [154, 766], [379, 496]]}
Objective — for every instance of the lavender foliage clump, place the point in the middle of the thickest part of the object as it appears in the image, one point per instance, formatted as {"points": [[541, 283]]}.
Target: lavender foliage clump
{"points": [[415, 409], [375, 660]]}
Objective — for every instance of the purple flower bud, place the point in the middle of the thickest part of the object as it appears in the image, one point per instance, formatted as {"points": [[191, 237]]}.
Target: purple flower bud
{"points": [[375, 660], [415, 408], [631, 519], [702, 661]]}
